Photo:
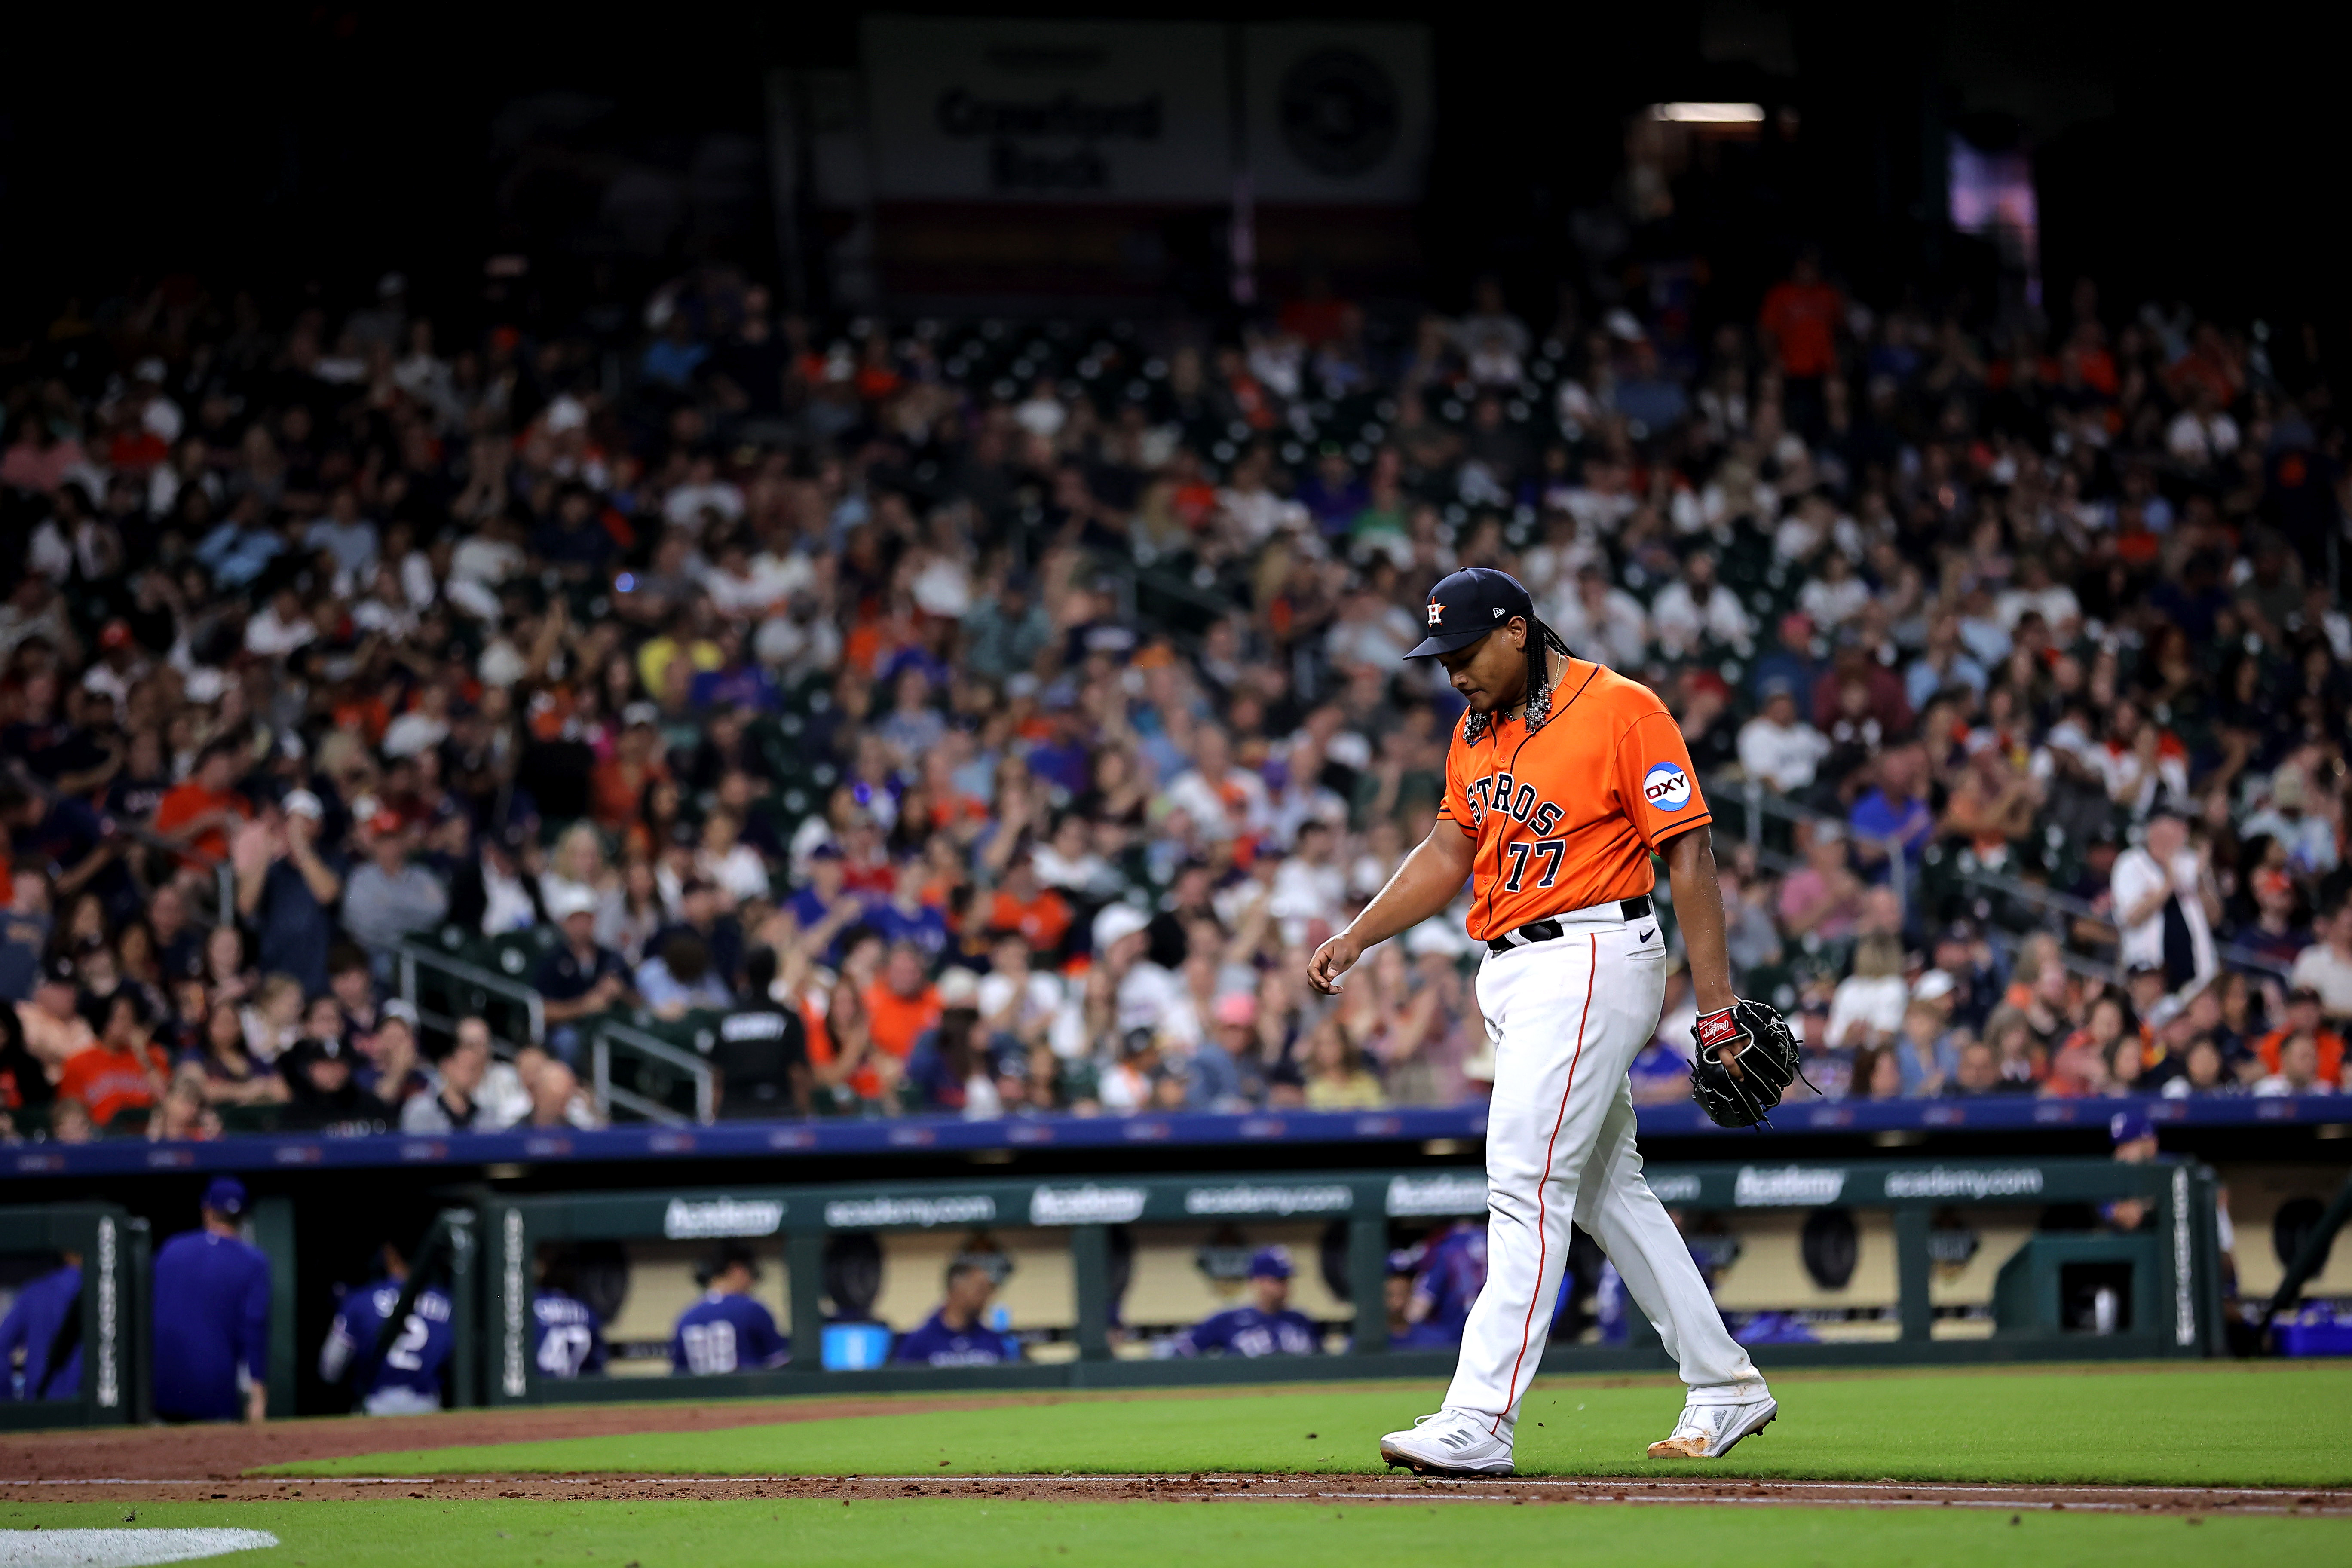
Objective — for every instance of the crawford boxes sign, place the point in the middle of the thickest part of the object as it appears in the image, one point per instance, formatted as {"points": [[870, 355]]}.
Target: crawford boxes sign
{"points": [[1089, 111]]}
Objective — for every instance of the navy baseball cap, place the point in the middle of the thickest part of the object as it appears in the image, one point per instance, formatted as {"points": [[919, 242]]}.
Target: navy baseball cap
{"points": [[1270, 1263], [1468, 604], [225, 1195], [2130, 1127]]}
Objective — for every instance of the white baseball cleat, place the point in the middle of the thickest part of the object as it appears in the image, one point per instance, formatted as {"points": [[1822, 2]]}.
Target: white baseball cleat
{"points": [[1709, 1431], [1450, 1443]]}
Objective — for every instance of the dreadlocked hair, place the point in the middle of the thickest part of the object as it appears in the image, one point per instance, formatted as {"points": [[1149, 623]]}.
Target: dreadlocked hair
{"points": [[1535, 704], [1542, 643]]}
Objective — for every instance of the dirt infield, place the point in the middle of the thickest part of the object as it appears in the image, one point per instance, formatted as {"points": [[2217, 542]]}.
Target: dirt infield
{"points": [[219, 1453], [1392, 1489], [216, 1463]]}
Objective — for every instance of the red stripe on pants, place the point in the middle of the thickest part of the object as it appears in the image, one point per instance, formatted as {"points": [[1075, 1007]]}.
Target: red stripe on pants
{"points": [[1543, 1241]]}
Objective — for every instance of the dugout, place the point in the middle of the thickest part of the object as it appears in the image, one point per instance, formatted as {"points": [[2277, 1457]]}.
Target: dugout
{"points": [[1896, 1219], [110, 1321]]}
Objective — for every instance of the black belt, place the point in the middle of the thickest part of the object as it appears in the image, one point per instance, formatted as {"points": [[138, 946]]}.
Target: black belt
{"points": [[1551, 930]]}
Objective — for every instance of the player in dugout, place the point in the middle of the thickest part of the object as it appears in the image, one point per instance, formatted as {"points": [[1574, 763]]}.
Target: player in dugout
{"points": [[956, 1334], [1269, 1326], [727, 1331], [45, 1324], [212, 1319], [570, 1342], [404, 1377], [1406, 1334]]}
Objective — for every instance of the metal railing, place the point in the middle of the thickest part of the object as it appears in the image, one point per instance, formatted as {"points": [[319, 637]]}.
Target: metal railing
{"points": [[609, 1033], [409, 957], [414, 960], [1759, 803], [2056, 905]]}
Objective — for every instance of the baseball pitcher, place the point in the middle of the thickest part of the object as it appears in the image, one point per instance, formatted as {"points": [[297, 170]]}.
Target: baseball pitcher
{"points": [[1562, 779]]}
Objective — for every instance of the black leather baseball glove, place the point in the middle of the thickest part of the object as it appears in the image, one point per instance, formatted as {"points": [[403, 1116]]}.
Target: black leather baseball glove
{"points": [[1743, 1091]]}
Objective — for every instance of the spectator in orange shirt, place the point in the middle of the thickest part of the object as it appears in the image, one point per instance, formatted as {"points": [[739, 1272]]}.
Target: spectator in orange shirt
{"points": [[2303, 1017], [1801, 318], [617, 788], [1802, 313], [901, 1002], [199, 812], [1023, 904], [123, 1070]]}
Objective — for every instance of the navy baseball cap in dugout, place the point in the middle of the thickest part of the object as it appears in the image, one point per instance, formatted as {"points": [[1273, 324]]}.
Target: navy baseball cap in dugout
{"points": [[1270, 1263], [1468, 604], [225, 1195]]}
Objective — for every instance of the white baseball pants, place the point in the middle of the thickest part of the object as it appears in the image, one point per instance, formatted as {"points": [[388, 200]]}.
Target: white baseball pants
{"points": [[1568, 1016]]}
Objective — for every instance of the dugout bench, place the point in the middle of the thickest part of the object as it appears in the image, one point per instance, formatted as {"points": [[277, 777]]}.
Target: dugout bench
{"points": [[2166, 1274]]}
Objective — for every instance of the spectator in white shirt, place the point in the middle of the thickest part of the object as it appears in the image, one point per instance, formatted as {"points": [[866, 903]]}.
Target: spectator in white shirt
{"points": [[2033, 591], [2298, 1069], [1696, 608], [1867, 1007], [1833, 596], [1223, 800], [1068, 860], [421, 728], [1601, 622], [2164, 901], [2326, 966], [280, 628], [745, 586], [1778, 746], [736, 868], [1310, 886], [2309, 841], [1148, 996], [2203, 434], [704, 491], [1370, 631]]}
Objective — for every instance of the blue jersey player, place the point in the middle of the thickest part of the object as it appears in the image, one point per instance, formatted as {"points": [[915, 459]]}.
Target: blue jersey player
{"points": [[212, 1317], [1268, 1328], [406, 1378], [1453, 1272], [39, 1324], [571, 1340], [955, 1334], [727, 1331], [1404, 1334]]}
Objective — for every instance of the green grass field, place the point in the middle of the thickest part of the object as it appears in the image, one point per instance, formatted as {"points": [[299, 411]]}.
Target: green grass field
{"points": [[983, 1534], [2205, 1427]]}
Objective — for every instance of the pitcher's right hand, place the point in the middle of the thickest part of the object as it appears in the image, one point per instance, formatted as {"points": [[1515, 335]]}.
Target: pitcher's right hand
{"points": [[1332, 960]]}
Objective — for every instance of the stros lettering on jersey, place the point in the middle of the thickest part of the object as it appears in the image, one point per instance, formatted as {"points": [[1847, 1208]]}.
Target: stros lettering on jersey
{"points": [[1567, 817]]}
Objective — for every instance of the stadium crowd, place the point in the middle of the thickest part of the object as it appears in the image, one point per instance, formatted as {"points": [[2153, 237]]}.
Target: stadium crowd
{"points": [[989, 718]]}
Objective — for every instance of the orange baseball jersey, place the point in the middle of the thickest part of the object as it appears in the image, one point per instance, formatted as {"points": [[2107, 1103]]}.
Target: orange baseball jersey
{"points": [[1567, 817]]}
